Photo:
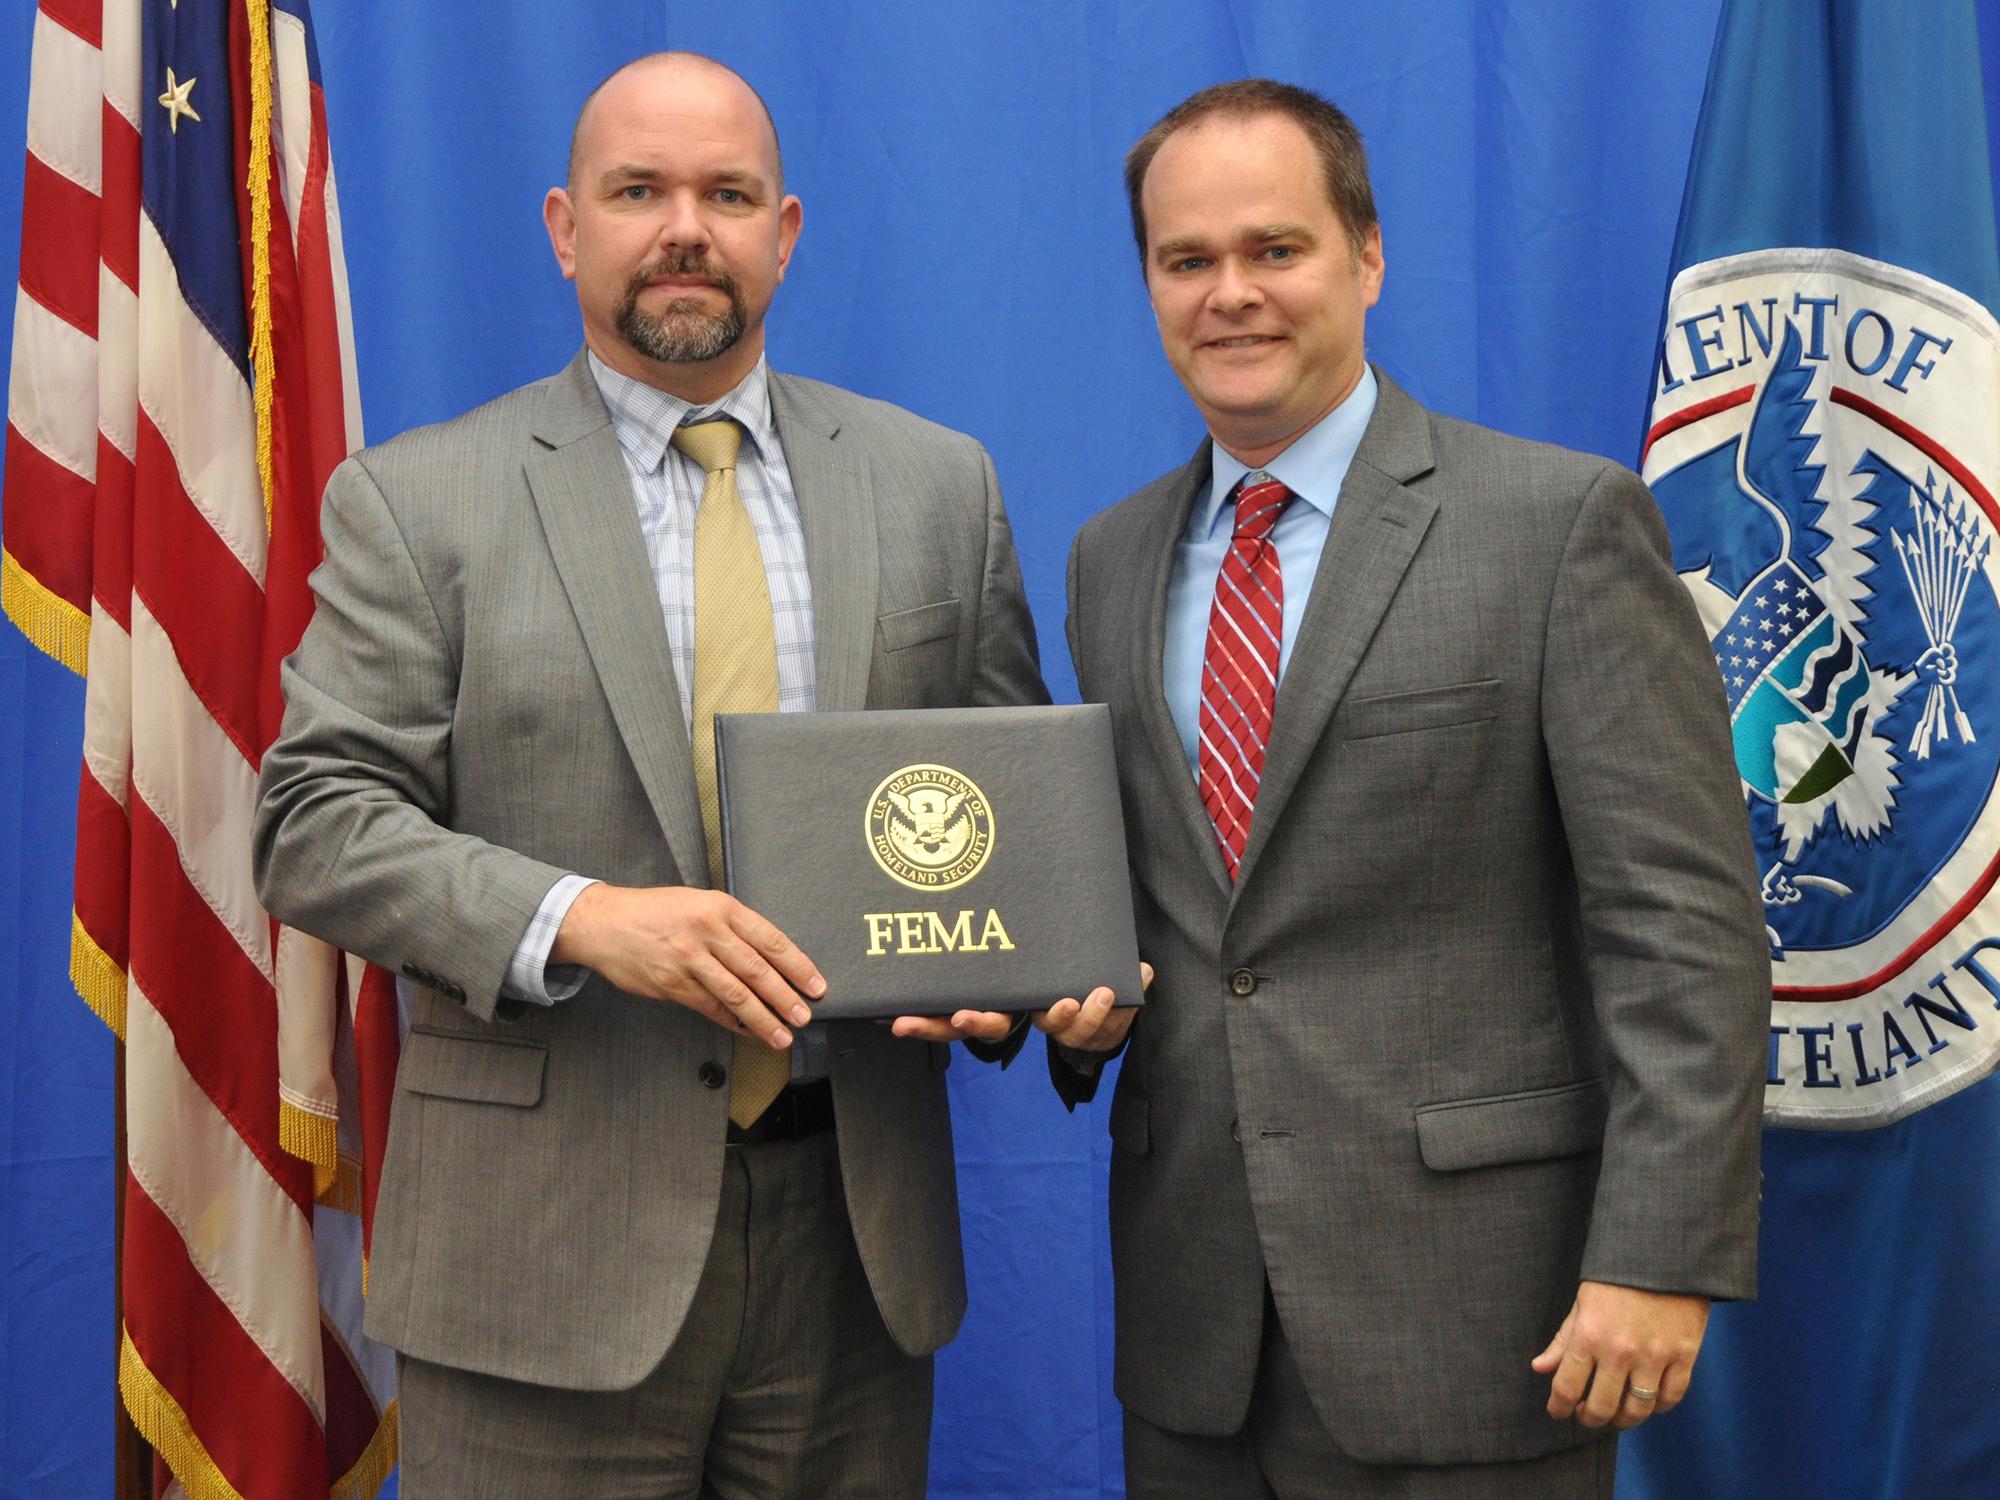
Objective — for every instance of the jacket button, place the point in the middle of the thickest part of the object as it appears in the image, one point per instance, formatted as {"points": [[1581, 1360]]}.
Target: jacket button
{"points": [[711, 1075], [1242, 982]]}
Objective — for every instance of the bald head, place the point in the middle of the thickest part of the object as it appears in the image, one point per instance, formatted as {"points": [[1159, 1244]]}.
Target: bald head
{"points": [[675, 224], [669, 70]]}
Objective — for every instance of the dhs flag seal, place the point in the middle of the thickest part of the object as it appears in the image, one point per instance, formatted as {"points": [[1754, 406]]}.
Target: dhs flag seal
{"points": [[1824, 445], [1824, 415]]}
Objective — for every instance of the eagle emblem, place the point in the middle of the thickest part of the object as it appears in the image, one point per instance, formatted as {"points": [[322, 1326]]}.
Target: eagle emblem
{"points": [[1822, 445], [1842, 559], [929, 827]]}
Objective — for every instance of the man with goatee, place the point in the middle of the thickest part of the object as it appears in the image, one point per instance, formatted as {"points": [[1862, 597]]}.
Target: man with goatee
{"points": [[642, 1230]]}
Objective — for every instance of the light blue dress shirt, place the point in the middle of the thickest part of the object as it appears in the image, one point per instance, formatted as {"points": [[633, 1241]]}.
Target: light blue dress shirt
{"points": [[1313, 468]]}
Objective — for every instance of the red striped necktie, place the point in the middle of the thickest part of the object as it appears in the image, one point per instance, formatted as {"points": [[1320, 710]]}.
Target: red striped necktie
{"points": [[1239, 674]]}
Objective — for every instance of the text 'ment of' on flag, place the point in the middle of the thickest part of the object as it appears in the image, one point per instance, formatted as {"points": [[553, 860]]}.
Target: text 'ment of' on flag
{"points": [[182, 384], [1824, 439]]}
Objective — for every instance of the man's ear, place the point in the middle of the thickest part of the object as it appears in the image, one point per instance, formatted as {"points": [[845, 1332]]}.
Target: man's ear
{"points": [[559, 217], [1372, 266], [791, 215]]}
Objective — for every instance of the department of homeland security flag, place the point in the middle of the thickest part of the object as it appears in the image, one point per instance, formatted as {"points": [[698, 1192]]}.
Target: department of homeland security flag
{"points": [[182, 385], [1825, 442], [1824, 439]]}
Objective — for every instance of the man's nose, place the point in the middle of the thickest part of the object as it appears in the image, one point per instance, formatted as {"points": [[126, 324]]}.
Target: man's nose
{"points": [[681, 224], [1234, 289]]}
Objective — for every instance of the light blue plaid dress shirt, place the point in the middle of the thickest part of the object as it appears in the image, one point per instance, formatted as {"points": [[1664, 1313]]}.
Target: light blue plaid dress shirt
{"points": [[666, 489]]}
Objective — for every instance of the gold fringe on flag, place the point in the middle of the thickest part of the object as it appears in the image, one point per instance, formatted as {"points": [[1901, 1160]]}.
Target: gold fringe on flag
{"points": [[52, 624], [260, 239], [371, 1470], [163, 1423], [97, 977], [314, 1138]]}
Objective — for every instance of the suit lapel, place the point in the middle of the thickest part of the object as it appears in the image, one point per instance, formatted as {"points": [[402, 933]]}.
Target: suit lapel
{"points": [[584, 496], [1163, 534], [837, 513], [1377, 527]]}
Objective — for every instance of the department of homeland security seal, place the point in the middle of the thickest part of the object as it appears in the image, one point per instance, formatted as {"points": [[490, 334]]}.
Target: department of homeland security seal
{"points": [[929, 827], [1824, 444]]}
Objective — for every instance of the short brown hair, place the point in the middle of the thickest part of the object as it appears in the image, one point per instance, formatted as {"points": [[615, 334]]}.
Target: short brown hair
{"points": [[1343, 161]]}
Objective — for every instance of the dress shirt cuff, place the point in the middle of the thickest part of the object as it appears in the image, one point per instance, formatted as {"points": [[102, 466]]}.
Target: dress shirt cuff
{"points": [[529, 976], [1002, 1051], [1076, 1072]]}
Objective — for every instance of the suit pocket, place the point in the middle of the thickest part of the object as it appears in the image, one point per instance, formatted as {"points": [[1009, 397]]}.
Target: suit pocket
{"points": [[483, 1070], [1537, 1125], [913, 627], [1131, 1122], [1420, 708]]}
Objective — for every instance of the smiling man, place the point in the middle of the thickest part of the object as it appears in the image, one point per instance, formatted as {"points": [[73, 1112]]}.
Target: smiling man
{"points": [[642, 1229], [1441, 1128]]}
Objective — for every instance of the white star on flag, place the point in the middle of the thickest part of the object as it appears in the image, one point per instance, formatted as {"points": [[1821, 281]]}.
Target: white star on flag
{"points": [[175, 100]]}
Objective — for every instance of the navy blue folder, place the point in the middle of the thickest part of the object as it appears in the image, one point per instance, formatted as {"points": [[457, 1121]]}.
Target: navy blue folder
{"points": [[929, 860]]}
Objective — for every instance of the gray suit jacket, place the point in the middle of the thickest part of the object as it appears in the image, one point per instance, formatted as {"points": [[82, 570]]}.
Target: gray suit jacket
{"points": [[1484, 1012], [484, 700]]}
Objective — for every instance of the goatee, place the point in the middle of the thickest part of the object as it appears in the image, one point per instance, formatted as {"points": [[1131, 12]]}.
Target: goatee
{"points": [[681, 333]]}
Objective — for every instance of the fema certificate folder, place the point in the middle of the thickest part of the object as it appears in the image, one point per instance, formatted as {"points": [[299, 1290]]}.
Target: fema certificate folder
{"points": [[933, 860]]}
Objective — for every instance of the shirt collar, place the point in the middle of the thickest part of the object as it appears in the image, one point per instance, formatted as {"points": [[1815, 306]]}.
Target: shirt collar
{"points": [[1312, 468], [645, 416]]}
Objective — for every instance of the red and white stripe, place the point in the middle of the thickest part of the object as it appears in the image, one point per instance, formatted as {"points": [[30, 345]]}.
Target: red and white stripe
{"points": [[1239, 674], [136, 520]]}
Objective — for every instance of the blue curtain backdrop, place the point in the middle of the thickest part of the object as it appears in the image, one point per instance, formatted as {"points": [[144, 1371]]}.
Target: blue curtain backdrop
{"points": [[966, 254]]}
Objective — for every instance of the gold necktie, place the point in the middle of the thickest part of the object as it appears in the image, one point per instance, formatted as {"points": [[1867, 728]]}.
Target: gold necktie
{"points": [[735, 672]]}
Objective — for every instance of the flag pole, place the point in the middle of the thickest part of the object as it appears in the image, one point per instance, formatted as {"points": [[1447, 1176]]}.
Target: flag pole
{"points": [[131, 1454]]}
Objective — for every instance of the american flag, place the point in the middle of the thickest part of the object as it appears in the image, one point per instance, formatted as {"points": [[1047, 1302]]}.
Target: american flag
{"points": [[1773, 620], [182, 384]]}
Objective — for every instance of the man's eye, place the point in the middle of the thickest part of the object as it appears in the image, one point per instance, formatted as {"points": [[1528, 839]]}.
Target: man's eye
{"points": [[1279, 252], [635, 192], [1189, 263], [729, 195]]}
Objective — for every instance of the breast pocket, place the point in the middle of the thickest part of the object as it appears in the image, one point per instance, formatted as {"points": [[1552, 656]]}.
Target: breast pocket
{"points": [[916, 658], [1419, 708], [902, 629]]}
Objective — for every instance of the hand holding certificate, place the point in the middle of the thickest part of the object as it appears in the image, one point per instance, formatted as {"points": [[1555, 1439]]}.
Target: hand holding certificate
{"points": [[1097, 1023], [698, 948]]}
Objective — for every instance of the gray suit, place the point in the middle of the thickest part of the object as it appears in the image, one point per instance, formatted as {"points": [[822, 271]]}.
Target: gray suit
{"points": [[484, 701], [1484, 1013]]}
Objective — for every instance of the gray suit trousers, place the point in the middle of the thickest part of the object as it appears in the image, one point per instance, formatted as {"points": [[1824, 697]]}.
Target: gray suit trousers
{"points": [[783, 1383]]}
